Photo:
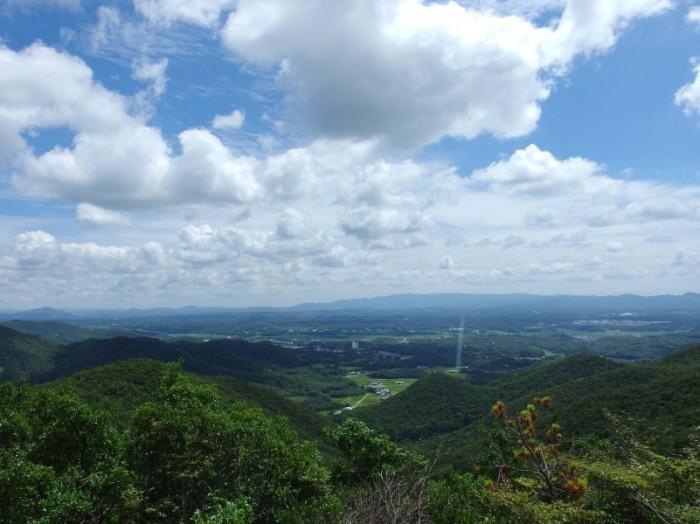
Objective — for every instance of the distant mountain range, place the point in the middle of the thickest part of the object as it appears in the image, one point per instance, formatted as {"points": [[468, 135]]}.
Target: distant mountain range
{"points": [[462, 301], [514, 301]]}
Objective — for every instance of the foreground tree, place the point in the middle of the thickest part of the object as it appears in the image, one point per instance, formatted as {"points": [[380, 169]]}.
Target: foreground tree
{"points": [[190, 453], [60, 461], [379, 481], [534, 481]]}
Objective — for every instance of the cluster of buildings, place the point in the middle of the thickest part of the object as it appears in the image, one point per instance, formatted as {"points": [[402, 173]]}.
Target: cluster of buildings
{"points": [[379, 389]]}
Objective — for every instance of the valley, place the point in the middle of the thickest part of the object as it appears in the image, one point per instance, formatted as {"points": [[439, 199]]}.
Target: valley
{"points": [[421, 381]]}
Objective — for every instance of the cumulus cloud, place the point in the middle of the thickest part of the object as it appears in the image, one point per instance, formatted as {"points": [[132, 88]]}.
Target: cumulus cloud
{"points": [[564, 240], [233, 120], [37, 249], [693, 16], [205, 244], [370, 224], [291, 224], [534, 172], [688, 96], [408, 72], [613, 246], [115, 159], [661, 208], [98, 216]]}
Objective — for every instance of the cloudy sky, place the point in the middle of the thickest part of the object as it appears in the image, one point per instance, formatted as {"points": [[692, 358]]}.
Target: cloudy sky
{"points": [[268, 152]]}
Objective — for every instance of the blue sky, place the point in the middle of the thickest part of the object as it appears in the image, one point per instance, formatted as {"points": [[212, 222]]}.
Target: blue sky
{"points": [[544, 146]]}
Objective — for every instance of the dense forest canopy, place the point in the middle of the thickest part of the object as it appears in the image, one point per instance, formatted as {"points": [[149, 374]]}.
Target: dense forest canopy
{"points": [[139, 430]]}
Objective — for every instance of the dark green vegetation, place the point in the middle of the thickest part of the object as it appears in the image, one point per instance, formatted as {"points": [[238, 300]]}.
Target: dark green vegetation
{"points": [[184, 454], [446, 412], [22, 355], [137, 429], [119, 389]]}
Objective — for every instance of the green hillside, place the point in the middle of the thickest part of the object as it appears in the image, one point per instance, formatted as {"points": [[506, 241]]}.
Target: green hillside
{"points": [[140, 440], [59, 332], [121, 387], [23, 355], [230, 357], [658, 401], [437, 403]]}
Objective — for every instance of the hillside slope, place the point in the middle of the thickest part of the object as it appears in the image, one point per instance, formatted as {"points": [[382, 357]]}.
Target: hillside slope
{"points": [[658, 402], [22, 355], [228, 357], [435, 404], [121, 387]]}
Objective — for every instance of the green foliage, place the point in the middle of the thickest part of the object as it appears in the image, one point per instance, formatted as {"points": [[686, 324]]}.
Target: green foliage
{"points": [[537, 459], [435, 404], [59, 461], [122, 387], [187, 452], [366, 453], [458, 499], [538, 483], [23, 355], [237, 512], [645, 486], [659, 400], [60, 332]]}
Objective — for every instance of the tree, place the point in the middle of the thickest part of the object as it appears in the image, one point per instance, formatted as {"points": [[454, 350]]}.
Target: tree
{"points": [[538, 456], [379, 481], [60, 461], [189, 453]]}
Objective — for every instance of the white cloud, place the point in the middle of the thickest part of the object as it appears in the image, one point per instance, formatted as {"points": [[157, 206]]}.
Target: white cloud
{"points": [[409, 72], [693, 16], [534, 172], [234, 120], [37, 249], [564, 240], [153, 72], [98, 216], [661, 208], [593, 26], [198, 12], [291, 224], [613, 246], [688, 96], [366, 223], [115, 160]]}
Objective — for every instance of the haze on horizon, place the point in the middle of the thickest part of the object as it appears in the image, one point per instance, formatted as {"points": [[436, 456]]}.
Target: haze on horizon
{"points": [[266, 153]]}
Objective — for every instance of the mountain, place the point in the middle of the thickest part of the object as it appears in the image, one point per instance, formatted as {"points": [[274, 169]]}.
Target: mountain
{"points": [[474, 302], [59, 332], [658, 401], [44, 313], [237, 358], [438, 403], [23, 355], [466, 302], [121, 387]]}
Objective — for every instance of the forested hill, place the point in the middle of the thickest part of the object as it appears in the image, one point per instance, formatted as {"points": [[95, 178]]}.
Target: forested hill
{"points": [[23, 355], [122, 434], [120, 388], [658, 400], [222, 357]]}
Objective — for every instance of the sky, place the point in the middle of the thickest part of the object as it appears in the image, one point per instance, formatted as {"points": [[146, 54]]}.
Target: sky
{"points": [[266, 152]]}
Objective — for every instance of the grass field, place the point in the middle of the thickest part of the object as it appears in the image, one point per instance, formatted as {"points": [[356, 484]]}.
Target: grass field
{"points": [[395, 385]]}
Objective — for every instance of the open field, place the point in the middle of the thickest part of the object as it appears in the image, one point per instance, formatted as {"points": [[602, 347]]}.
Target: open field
{"points": [[395, 385]]}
